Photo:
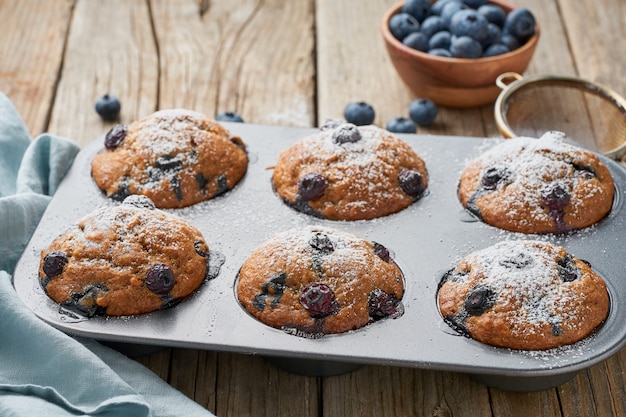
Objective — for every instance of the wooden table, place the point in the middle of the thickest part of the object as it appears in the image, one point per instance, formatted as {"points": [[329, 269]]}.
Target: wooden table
{"points": [[292, 63]]}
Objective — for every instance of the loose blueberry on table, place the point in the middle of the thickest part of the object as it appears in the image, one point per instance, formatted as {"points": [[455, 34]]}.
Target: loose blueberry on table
{"points": [[401, 125], [359, 113], [423, 111], [229, 116], [108, 107]]}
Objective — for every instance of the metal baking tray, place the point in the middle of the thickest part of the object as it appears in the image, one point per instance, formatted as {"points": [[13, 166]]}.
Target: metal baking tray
{"points": [[427, 239]]}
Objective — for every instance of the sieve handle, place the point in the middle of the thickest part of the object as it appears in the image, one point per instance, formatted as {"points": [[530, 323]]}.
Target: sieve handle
{"points": [[507, 78]]}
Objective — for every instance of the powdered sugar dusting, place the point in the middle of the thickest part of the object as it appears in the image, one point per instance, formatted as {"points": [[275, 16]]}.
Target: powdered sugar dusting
{"points": [[531, 164], [168, 132], [525, 278]]}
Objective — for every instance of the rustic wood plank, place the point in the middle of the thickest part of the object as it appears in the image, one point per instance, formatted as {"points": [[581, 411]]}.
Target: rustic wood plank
{"points": [[193, 372], [217, 58], [32, 52], [523, 404], [102, 57], [392, 391], [250, 386], [158, 362], [589, 25]]}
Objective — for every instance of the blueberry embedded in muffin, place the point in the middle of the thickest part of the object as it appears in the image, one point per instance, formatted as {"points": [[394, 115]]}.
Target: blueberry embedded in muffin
{"points": [[175, 157], [315, 281], [527, 295], [348, 172]]}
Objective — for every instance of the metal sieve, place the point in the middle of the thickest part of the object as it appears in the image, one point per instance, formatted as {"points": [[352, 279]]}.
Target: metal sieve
{"points": [[591, 115]]}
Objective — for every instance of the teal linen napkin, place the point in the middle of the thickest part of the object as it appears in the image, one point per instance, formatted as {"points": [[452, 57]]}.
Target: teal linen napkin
{"points": [[44, 372]]}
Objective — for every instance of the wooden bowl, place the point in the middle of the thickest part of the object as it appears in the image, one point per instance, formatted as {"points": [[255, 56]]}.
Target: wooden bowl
{"points": [[454, 82]]}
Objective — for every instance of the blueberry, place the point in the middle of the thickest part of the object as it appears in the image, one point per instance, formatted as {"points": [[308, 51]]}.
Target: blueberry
{"points": [[469, 23], [440, 40], [331, 124], [169, 163], [321, 243], [229, 116], [417, 41], [419, 9], [160, 279], [411, 182], [402, 24], [274, 287], [201, 248], [382, 252], [432, 25], [311, 186], [496, 49], [494, 33], [359, 113], [318, 299], [509, 41], [440, 52], [475, 4], [586, 171], [140, 201], [479, 300], [450, 8], [401, 125], [54, 262], [520, 260], [423, 111], [382, 304], [346, 133], [85, 303], [493, 13], [555, 196], [465, 47], [493, 176], [437, 7], [520, 23], [108, 107], [115, 136], [568, 271]]}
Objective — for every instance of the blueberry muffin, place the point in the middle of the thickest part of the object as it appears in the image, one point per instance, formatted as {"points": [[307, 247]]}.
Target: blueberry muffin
{"points": [[124, 260], [175, 157], [528, 295], [543, 185], [315, 281], [346, 172]]}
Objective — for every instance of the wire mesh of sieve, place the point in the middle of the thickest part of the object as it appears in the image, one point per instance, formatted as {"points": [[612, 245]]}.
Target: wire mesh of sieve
{"points": [[591, 115]]}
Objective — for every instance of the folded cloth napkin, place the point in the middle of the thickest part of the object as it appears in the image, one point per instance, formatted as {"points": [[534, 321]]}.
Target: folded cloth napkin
{"points": [[44, 372]]}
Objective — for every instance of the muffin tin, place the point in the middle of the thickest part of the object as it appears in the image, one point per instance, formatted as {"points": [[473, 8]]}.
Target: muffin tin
{"points": [[426, 239]]}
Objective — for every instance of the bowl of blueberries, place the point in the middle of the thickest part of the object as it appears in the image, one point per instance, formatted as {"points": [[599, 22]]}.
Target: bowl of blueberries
{"points": [[452, 51]]}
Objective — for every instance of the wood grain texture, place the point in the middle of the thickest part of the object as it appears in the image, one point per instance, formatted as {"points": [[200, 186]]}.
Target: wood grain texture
{"points": [[392, 391], [102, 57], [590, 24], [256, 58], [32, 52]]}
